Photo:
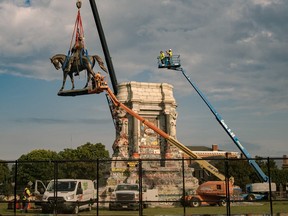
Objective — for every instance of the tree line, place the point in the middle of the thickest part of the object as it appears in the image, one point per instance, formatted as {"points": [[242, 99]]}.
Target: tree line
{"points": [[82, 163], [244, 174], [45, 164]]}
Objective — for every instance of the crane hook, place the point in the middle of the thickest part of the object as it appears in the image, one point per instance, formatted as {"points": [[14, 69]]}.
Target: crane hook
{"points": [[78, 4]]}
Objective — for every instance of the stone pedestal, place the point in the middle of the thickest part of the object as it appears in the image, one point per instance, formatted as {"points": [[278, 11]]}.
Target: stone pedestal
{"points": [[154, 102]]}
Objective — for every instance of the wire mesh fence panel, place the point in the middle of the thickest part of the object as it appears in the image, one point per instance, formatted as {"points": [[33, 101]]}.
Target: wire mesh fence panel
{"points": [[95, 186]]}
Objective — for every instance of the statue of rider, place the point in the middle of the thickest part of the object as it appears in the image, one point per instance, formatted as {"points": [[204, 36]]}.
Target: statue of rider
{"points": [[76, 54]]}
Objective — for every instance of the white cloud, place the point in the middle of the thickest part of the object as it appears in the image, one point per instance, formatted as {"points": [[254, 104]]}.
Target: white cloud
{"points": [[265, 2]]}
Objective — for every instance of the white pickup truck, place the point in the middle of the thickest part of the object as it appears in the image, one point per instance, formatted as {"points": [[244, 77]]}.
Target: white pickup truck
{"points": [[126, 196]]}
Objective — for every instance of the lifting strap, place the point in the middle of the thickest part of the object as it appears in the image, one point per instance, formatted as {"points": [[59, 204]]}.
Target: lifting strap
{"points": [[78, 31]]}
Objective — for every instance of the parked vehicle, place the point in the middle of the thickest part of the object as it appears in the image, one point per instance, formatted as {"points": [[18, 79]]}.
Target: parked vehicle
{"points": [[68, 195], [259, 191], [127, 196], [209, 193], [214, 193], [37, 190]]}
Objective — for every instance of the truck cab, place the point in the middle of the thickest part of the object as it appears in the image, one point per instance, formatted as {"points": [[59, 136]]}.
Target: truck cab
{"points": [[125, 196]]}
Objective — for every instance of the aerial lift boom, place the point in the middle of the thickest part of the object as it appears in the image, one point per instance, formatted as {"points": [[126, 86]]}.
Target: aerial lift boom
{"points": [[176, 65]]}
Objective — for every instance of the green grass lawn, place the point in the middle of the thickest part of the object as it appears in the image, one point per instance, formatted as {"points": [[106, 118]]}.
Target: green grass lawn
{"points": [[252, 208], [264, 208]]}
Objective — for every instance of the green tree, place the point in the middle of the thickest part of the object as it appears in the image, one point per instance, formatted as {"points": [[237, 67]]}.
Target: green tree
{"points": [[36, 165], [269, 167], [239, 170], [68, 166], [82, 162], [279, 176], [283, 178], [5, 179], [265, 163], [244, 174]]}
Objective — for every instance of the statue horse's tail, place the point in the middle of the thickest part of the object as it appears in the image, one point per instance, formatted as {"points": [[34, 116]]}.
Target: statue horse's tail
{"points": [[100, 63]]}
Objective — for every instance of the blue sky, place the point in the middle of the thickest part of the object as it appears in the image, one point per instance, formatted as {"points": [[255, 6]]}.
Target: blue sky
{"points": [[235, 51]]}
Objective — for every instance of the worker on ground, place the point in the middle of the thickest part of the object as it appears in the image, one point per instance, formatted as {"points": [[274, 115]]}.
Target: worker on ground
{"points": [[76, 54], [25, 199], [169, 54], [162, 57]]}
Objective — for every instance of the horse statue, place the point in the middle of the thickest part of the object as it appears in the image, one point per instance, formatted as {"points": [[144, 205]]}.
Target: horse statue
{"points": [[87, 63]]}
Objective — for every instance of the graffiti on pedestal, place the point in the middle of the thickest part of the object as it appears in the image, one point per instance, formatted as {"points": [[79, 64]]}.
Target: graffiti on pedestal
{"points": [[149, 140]]}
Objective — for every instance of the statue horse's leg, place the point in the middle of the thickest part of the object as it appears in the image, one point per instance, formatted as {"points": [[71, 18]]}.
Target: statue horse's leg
{"points": [[90, 71], [64, 80], [88, 79], [72, 80]]}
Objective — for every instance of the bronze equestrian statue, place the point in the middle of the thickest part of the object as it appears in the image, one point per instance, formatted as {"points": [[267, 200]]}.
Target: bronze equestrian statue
{"points": [[88, 62]]}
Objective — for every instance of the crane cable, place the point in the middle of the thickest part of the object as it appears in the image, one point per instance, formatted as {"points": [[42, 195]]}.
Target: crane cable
{"points": [[78, 31], [78, 27]]}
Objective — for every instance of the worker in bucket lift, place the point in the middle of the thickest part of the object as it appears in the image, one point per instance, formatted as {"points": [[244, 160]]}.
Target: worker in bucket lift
{"points": [[76, 54], [162, 57], [99, 80], [169, 54]]}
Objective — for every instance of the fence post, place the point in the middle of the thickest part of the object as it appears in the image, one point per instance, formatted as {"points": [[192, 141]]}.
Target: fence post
{"points": [[227, 183], [183, 183], [97, 189], [15, 185], [140, 189], [270, 190], [55, 208]]}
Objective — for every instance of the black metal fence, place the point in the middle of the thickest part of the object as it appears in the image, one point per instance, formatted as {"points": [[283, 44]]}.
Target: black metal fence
{"points": [[163, 183]]}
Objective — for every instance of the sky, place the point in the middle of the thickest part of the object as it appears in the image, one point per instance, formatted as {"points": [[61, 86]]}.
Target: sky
{"points": [[235, 51]]}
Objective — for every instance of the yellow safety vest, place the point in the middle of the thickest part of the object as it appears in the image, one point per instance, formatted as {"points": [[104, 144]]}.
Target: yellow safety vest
{"points": [[26, 194]]}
